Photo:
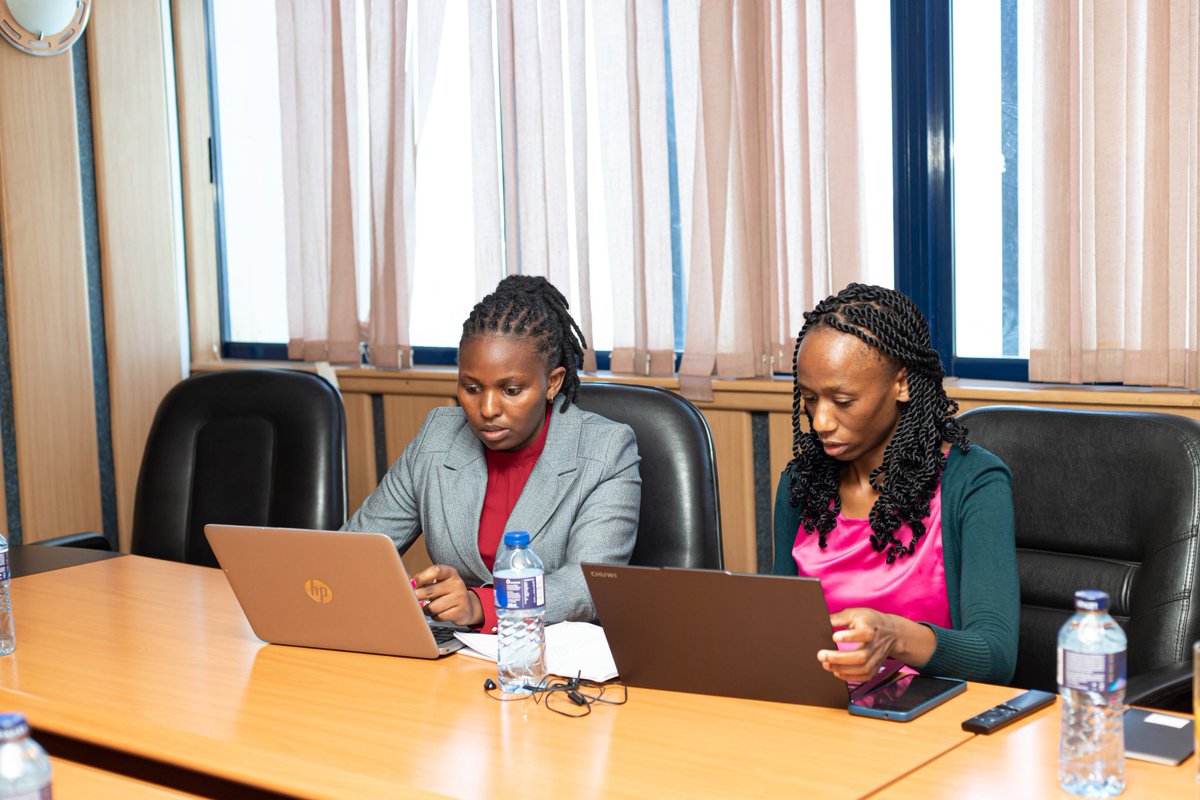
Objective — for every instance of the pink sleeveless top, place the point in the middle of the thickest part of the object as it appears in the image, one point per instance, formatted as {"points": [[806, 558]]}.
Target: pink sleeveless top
{"points": [[853, 574]]}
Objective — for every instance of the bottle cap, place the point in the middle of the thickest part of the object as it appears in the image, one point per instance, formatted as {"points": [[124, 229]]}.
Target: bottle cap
{"points": [[1091, 600], [516, 539], [12, 726]]}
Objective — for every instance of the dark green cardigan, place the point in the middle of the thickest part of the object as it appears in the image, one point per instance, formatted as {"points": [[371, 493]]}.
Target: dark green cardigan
{"points": [[979, 551]]}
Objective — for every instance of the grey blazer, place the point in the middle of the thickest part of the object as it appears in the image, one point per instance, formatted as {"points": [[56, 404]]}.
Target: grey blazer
{"points": [[580, 504]]}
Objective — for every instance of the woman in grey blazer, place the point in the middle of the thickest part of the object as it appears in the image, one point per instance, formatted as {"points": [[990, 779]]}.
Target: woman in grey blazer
{"points": [[516, 455]]}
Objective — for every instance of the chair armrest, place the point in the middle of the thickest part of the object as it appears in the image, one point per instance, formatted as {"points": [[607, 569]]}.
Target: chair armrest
{"points": [[90, 540], [1168, 688]]}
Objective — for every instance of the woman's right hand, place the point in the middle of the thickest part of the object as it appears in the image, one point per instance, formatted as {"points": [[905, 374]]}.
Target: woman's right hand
{"points": [[446, 597], [878, 636], [871, 631]]}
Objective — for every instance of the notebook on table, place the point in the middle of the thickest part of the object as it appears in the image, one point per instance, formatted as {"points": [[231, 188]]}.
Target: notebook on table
{"points": [[327, 589], [714, 632], [1158, 736]]}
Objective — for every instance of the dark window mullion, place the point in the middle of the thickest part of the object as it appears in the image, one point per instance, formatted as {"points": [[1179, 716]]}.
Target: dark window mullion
{"points": [[214, 165], [922, 71], [921, 86]]}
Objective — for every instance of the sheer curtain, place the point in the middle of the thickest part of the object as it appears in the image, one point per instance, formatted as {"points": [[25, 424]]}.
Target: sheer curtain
{"points": [[322, 47], [318, 116], [561, 67], [390, 100], [402, 64], [1114, 195], [771, 177], [570, 169], [554, 170], [631, 78], [769, 157]]}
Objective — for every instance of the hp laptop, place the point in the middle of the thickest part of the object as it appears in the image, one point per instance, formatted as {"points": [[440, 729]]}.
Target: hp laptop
{"points": [[336, 591], [714, 632]]}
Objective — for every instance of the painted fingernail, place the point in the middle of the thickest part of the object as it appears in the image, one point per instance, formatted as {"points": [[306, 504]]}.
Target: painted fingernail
{"points": [[414, 583]]}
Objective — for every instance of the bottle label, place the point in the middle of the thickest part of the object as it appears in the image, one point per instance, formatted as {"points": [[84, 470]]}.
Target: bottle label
{"points": [[4, 566], [520, 592], [43, 793], [1091, 672]]}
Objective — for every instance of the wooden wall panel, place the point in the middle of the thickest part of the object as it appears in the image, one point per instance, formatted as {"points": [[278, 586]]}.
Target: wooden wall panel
{"points": [[402, 417], [735, 475], [200, 240], [41, 216], [409, 394], [136, 199], [360, 449]]}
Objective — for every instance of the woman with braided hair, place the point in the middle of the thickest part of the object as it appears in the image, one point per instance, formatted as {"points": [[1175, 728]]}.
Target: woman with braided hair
{"points": [[908, 526], [516, 454]]}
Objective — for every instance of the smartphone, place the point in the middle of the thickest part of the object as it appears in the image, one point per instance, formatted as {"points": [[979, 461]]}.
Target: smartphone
{"points": [[907, 697]]}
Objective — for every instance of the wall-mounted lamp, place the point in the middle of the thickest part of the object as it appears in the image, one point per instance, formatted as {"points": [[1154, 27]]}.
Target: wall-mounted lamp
{"points": [[43, 27]]}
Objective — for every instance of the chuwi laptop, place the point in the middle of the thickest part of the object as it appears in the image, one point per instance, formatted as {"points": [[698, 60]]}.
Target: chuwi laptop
{"points": [[714, 632], [337, 591]]}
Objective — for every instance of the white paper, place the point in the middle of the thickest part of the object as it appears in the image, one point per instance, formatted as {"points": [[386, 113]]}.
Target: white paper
{"points": [[1167, 720], [572, 648]]}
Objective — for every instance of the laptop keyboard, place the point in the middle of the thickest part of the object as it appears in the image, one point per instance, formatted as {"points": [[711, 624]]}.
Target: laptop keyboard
{"points": [[444, 633]]}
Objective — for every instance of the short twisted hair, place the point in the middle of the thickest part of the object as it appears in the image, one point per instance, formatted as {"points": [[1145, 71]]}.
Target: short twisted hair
{"points": [[531, 307], [891, 324]]}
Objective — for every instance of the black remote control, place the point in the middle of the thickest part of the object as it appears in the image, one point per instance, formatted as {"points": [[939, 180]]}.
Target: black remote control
{"points": [[1008, 712]]}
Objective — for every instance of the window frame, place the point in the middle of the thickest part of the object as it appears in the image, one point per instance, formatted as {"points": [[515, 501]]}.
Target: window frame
{"points": [[229, 349], [922, 106]]}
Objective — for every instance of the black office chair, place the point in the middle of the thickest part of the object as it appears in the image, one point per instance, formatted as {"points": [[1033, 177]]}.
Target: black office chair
{"points": [[680, 520], [1104, 500], [245, 447]]}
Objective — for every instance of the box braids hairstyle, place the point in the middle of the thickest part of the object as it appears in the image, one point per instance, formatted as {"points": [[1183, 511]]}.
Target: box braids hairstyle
{"points": [[531, 307], [890, 323]]}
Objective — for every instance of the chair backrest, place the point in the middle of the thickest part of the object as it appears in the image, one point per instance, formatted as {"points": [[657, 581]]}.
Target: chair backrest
{"points": [[680, 520], [1103, 500], [241, 447]]}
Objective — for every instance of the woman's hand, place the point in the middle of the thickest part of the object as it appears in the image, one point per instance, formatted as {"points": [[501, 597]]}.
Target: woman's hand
{"points": [[878, 636], [445, 597]]}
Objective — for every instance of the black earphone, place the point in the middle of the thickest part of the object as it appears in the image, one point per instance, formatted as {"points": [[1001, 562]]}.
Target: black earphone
{"points": [[488, 685]]}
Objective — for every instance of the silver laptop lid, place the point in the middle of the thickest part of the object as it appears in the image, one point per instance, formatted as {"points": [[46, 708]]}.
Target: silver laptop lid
{"points": [[326, 589]]}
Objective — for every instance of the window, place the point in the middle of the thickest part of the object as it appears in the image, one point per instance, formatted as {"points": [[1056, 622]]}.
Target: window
{"points": [[986, 182], [940, 113], [244, 67], [959, 114], [875, 110], [244, 81], [988, 111], [444, 233]]}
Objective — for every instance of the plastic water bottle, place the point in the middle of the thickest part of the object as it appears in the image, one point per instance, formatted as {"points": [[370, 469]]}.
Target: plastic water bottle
{"points": [[1091, 682], [8, 636], [24, 765], [520, 609]]}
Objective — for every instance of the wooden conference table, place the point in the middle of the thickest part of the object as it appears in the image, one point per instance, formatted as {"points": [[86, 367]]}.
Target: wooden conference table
{"points": [[73, 780], [148, 668], [1021, 762]]}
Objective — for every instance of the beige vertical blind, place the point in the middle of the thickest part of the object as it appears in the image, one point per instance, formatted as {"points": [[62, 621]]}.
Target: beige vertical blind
{"points": [[1114, 198], [769, 158], [771, 176]]}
